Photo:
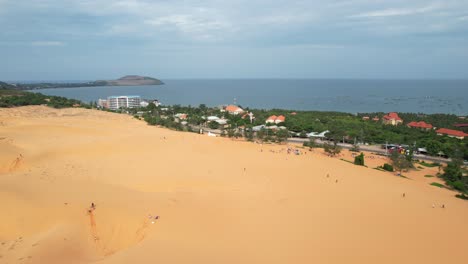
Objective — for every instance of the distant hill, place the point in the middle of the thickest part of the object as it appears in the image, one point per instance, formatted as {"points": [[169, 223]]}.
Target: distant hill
{"points": [[7, 89], [6, 86], [128, 80], [132, 80]]}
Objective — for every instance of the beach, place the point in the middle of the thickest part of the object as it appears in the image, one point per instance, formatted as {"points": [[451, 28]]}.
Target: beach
{"points": [[162, 196]]}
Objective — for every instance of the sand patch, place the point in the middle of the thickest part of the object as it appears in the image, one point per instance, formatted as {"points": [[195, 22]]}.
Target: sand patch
{"points": [[219, 201]]}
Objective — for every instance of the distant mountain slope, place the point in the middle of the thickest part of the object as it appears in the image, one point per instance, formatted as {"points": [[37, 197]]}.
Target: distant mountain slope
{"points": [[128, 80], [5, 86], [133, 80]]}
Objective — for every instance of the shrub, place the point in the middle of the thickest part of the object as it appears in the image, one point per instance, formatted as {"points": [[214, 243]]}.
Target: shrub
{"points": [[429, 164], [437, 184], [388, 167], [458, 185], [462, 196], [332, 149], [213, 125], [359, 160]]}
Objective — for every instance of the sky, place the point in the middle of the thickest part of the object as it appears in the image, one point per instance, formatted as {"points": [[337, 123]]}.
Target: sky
{"points": [[184, 39]]}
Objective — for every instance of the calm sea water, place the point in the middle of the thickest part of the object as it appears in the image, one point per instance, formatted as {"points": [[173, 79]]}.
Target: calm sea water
{"points": [[353, 96]]}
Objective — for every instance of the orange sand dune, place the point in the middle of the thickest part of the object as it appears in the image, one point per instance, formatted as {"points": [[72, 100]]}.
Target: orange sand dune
{"points": [[218, 201]]}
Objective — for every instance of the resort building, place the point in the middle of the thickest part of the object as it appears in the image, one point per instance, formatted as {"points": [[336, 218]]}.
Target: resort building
{"points": [[156, 103], [318, 135], [421, 125], [124, 101], [392, 119], [144, 103], [275, 119], [234, 110], [451, 133], [181, 116], [212, 118], [102, 103], [221, 121]]}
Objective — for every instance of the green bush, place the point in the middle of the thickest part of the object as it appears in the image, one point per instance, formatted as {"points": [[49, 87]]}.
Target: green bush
{"points": [[458, 185], [359, 160], [437, 185], [462, 196], [387, 167], [430, 165]]}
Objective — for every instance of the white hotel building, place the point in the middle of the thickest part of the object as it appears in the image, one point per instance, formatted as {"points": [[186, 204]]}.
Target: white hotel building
{"points": [[117, 102]]}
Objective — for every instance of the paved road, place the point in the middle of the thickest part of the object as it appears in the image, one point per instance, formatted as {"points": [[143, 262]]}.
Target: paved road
{"points": [[370, 148]]}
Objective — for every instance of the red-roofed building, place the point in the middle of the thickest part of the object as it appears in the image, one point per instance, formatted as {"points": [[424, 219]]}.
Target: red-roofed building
{"points": [[421, 125], [275, 119], [376, 119], [271, 119], [392, 119], [280, 119], [234, 110], [460, 125], [451, 133]]}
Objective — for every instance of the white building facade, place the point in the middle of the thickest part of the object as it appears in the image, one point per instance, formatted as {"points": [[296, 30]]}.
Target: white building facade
{"points": [[117, 102]]}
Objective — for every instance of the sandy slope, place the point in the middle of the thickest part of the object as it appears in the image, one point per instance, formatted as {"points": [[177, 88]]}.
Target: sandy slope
{"points": [[280, 209]]}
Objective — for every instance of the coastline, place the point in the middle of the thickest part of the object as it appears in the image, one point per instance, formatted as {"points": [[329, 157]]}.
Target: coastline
{"points": [[350, 96]]}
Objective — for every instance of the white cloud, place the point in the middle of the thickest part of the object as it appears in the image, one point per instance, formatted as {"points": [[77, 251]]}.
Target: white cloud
{"points": [[47, 43], [229, 21], [389, 12], [187, 23]]}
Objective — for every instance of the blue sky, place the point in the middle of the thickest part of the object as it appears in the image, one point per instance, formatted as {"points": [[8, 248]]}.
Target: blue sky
{"points": [[105, 39]]}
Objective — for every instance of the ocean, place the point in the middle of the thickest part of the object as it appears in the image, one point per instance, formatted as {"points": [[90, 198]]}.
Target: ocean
{"points": [[352, 96]]}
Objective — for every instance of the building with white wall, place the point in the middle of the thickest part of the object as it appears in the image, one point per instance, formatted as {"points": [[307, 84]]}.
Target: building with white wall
{"points": [[123, 101]]}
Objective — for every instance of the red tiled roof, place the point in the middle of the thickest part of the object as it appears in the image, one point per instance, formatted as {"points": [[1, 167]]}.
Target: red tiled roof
{"points": [[281, 118], [461, 125], [272, 118], [376, 118], [233, 108], [420, 124], [451, 132], [391, 116]]}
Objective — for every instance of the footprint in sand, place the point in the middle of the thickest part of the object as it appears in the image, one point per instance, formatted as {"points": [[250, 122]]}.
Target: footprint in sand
{"points": [[16, 163]]}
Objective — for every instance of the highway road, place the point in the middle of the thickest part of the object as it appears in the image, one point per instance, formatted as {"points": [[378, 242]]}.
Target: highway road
{"points": [[371, 148]]}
